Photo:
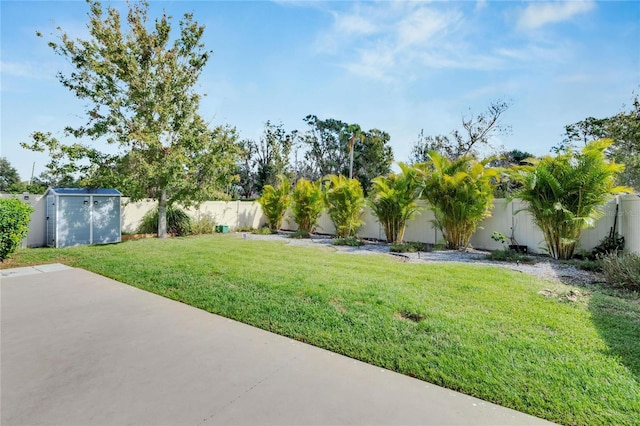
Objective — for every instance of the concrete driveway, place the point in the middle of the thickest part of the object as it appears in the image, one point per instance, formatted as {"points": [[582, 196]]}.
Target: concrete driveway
{"points": [[81, 349]]}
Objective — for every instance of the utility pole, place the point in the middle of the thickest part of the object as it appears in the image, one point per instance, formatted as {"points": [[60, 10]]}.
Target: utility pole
{"points": [[33, 168]]}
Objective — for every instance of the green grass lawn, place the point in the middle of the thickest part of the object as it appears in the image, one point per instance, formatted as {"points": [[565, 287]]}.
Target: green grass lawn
{"points": [[481, 330]]}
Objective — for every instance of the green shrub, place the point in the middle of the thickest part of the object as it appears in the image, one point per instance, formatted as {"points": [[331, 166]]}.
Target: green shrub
{"points": [[347, 241], [394, 201], [203, 224], [14, 225], [307, 204], [409, 247], [621, 270], [588, 265], [460, 194], [344, 200], [508, 255], [264, 230], [300, 234], [565, 193], [275, 202], [178, 222], [612, 243]]}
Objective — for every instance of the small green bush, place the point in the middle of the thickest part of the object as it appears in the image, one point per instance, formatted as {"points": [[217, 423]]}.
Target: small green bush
{"points": [[245, 229], [621, 270], [347, 241], [588, 265], [14, 225], [300, 234], [265, 230], [612, 243], [203, 224], [409, 247], [508, 255], [178, 222]]}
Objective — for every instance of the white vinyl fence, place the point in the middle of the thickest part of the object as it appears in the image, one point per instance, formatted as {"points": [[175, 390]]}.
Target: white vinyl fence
{"points": [[506, 218]]}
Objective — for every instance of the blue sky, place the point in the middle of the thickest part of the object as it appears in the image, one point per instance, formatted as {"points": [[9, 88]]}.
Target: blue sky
{"points": [[396, 66]]}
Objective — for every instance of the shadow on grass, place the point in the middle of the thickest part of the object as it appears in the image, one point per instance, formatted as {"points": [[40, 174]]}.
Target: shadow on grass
{"points": [[618, 322]]}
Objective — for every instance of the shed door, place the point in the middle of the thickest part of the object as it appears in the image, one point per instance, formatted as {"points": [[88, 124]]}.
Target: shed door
{"points": [[106, 220], [73, 221]]}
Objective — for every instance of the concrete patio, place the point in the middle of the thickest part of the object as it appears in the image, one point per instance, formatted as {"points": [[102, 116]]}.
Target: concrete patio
{"points": [[79, 348]]}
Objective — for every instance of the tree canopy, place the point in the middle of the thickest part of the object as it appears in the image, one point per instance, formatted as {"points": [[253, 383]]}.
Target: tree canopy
{"points": [[624, 131], [137, 79], [476, 132], [328, 144], [9, 176]]}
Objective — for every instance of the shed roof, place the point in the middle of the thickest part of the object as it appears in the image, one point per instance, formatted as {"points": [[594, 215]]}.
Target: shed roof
{"points": [[85, 191]]}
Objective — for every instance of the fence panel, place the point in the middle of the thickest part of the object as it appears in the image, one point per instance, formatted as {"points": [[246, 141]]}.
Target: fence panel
{"points": [[499, 221], [505, 218], [421, 228], [629, 221], [133, 212]]}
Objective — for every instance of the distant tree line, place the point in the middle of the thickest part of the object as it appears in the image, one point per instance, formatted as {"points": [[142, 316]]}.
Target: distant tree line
{"points": [[322, 149]]}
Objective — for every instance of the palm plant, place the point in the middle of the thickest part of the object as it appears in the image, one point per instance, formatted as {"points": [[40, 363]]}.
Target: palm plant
{"points": [[275, 202], [307, 204], [394, 201], [344, 200], [460, 194], [565, 193]]}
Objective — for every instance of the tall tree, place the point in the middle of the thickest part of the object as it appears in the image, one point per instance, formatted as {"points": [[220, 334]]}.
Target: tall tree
{"points": [[138, 79], [8, 175], [272, 155], [624, 131], [265, 160], [476, 133], [245, 169], [372, 157], [330, 144], [327, 147]]}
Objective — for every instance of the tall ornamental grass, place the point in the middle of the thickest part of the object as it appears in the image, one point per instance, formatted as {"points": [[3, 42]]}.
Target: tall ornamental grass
{"points": [[307, 204], [178, 222], [344, 200], [394, 201], [565, 193], [460, 194]]}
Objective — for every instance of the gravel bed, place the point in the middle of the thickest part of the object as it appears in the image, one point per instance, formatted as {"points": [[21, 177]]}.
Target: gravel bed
{"points": [[544, 268]]}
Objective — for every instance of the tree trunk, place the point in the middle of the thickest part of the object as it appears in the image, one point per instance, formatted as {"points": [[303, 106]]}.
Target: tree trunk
{"points": [[162, 214]]}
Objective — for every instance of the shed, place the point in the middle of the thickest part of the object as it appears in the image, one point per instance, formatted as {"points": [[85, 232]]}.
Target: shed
{"points": [[82, 216]]}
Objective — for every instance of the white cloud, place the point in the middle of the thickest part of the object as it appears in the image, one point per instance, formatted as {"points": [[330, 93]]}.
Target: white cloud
{"points": [[423, 25], [381, 40], [22, 70], [481, 5], [373, 63], [403, 41], [353, 24], [536, 15]]}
